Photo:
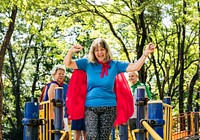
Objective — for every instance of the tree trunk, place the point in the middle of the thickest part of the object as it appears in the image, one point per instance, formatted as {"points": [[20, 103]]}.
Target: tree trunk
{"points": [[181, 80], [197, 97], [4, 46], [191, 89], [161, 94]]}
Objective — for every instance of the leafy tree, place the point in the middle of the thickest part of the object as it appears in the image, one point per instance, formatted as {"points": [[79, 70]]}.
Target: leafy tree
{"points": [[4, 46], [45, 30]]}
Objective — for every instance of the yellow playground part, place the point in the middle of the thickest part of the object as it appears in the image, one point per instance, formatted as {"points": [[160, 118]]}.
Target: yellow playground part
{"points": [[45, 130]]}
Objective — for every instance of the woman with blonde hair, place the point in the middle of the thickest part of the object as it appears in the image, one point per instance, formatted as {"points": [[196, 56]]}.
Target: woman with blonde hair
{"points": [[101, 71]]}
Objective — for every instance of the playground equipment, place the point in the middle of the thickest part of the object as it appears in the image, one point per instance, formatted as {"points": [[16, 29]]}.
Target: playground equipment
{"points": [[123, 132], [154, 124], [31, 120], [140, 103], [168, 118], [186, 125], [58, 110], [155, 117], [151, 131], [46, 132], [159, 125]]}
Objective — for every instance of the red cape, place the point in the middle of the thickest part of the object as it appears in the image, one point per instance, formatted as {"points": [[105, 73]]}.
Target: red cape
{"points": [[76, 95]]}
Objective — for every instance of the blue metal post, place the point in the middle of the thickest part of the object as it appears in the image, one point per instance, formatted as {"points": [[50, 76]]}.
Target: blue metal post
{"points": [[167, 100], [123, 132], [140, 102], [30, 120], [155, 117], [113, 133], [58, 112]]}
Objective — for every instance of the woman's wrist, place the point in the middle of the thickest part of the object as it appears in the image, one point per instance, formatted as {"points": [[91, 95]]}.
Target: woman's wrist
{"points": [[71, 51], [145, 55]]}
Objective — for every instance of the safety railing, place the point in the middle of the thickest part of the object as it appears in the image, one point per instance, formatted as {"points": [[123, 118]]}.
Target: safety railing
{"points": [[186, 125], [168, 121], [47, 131]]}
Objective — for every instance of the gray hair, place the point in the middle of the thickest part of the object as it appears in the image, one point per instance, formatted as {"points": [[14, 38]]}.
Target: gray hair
{"points": [[136, 73], [102, 43], [57, 67]]}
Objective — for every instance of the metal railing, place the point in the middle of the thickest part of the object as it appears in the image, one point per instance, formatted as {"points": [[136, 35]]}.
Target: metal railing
{"points": [[46, 131], [186, 125], [168, 121]]}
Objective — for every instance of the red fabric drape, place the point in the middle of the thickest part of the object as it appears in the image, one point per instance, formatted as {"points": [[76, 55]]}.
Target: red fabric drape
{"points": [[76, 95]]}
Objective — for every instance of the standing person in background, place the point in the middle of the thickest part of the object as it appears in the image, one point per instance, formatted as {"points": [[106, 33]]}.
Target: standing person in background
{"points": [[58, 76], [101, 70], [133, 78], [79, 129]]}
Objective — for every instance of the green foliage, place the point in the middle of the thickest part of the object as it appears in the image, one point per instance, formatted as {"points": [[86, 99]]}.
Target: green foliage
{"points": [[45, 30]]}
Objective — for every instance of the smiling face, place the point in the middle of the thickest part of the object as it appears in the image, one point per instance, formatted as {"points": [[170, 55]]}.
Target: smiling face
{"points": [[133, 77], [99, 51], [59, 75], [100, 54]]}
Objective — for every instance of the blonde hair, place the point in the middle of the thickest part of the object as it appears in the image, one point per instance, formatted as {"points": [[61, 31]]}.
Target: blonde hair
{"points": [[57, 67], [102, 43]]}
